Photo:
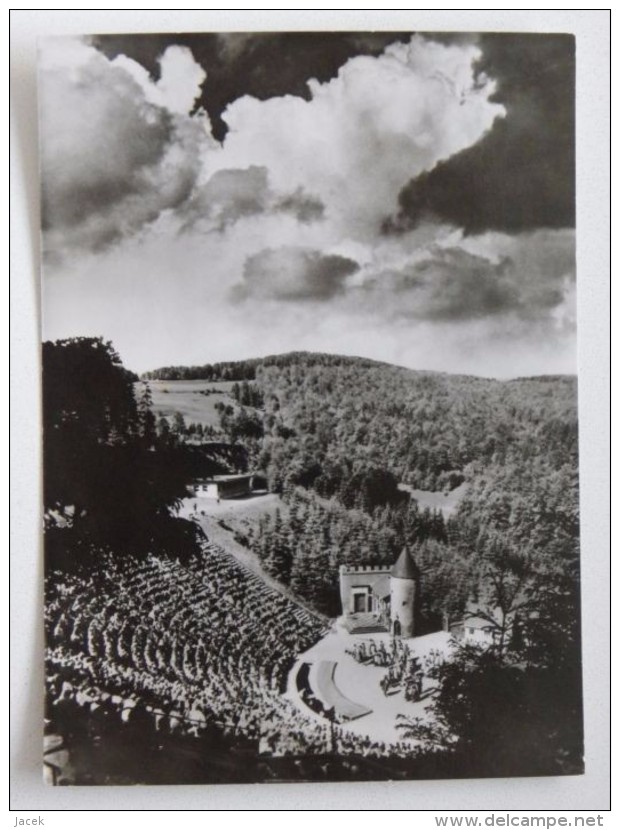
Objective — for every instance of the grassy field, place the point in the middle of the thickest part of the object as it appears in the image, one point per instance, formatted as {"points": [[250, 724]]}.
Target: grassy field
{"points": [[446, 502], [188, 397]]}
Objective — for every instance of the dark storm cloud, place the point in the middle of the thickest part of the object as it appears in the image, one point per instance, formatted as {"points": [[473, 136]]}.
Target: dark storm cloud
{"points": [[452, 284], [290, 274], [111, 160], [520, 175], [261, 65]]}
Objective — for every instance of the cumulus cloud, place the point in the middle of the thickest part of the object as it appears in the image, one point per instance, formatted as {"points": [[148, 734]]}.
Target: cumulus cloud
{"points": [[264, 65], [230, 195], [119, 147], [180, 79], [193, 318], [449, 285], [113, 158], [527, 276], [363, 134], [294, 274], [203, 239], [303, 206]]}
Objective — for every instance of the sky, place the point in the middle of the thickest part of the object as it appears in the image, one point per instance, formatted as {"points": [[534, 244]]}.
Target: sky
{"points": [[405, 197]]}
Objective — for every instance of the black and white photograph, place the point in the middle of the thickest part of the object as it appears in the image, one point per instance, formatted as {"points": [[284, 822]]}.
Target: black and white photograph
{"points": [[310, 433]]}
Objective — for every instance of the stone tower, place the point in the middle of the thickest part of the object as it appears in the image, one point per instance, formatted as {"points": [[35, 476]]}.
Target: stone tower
{"points": [[404, 579]]}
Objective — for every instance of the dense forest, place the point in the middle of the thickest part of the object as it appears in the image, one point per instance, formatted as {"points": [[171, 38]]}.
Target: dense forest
{"points": [[342, 441], [304, 545], [325, 417], [337, 437], [246, 369], [424, 428]]}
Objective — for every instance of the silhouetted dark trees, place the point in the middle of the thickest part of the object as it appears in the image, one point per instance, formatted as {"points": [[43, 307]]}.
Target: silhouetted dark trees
{"points": [[498, 718], [514, 706], [108, 481], [232, 370]]}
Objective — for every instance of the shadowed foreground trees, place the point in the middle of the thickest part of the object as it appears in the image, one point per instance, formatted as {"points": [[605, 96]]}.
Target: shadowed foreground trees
{"points": [[513, 707], [494, 717], [107, 480]]}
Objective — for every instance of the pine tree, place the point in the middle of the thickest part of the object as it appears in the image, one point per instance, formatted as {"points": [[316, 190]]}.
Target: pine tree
{"points": [[163, 429], [145, 416], [179, 426], [278, 560], [300, 570]]}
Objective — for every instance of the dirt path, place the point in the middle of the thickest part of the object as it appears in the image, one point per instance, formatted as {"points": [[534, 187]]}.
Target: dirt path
{"points": [[224, 538]]}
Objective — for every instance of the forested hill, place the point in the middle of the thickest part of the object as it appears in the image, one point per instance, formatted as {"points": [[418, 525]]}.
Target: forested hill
{"points": [[327, 418], [246, 369]]}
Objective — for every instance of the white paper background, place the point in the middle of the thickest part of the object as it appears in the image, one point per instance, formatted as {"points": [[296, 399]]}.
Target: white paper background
{"points": [[588, 792]]}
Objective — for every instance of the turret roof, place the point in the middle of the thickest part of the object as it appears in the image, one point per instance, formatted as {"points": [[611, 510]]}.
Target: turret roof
{"points": [[405, 567]]}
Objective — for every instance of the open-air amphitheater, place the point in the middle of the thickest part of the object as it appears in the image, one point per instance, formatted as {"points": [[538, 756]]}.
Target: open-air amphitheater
{"points": [[197, 645]]}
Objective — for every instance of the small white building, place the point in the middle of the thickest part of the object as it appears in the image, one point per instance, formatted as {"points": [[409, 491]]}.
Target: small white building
{"points": [[224, 486], [480, 630], [475, 630]]}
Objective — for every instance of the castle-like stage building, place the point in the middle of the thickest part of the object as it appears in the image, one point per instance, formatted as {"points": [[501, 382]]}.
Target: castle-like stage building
{"points": [[380, 598]]}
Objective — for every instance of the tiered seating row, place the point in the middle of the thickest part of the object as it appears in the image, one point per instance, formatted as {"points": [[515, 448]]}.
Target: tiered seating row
{"points": [[197, 644]]}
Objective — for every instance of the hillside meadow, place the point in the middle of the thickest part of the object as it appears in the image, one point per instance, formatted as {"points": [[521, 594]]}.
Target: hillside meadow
{"points": [[195, 399]]}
